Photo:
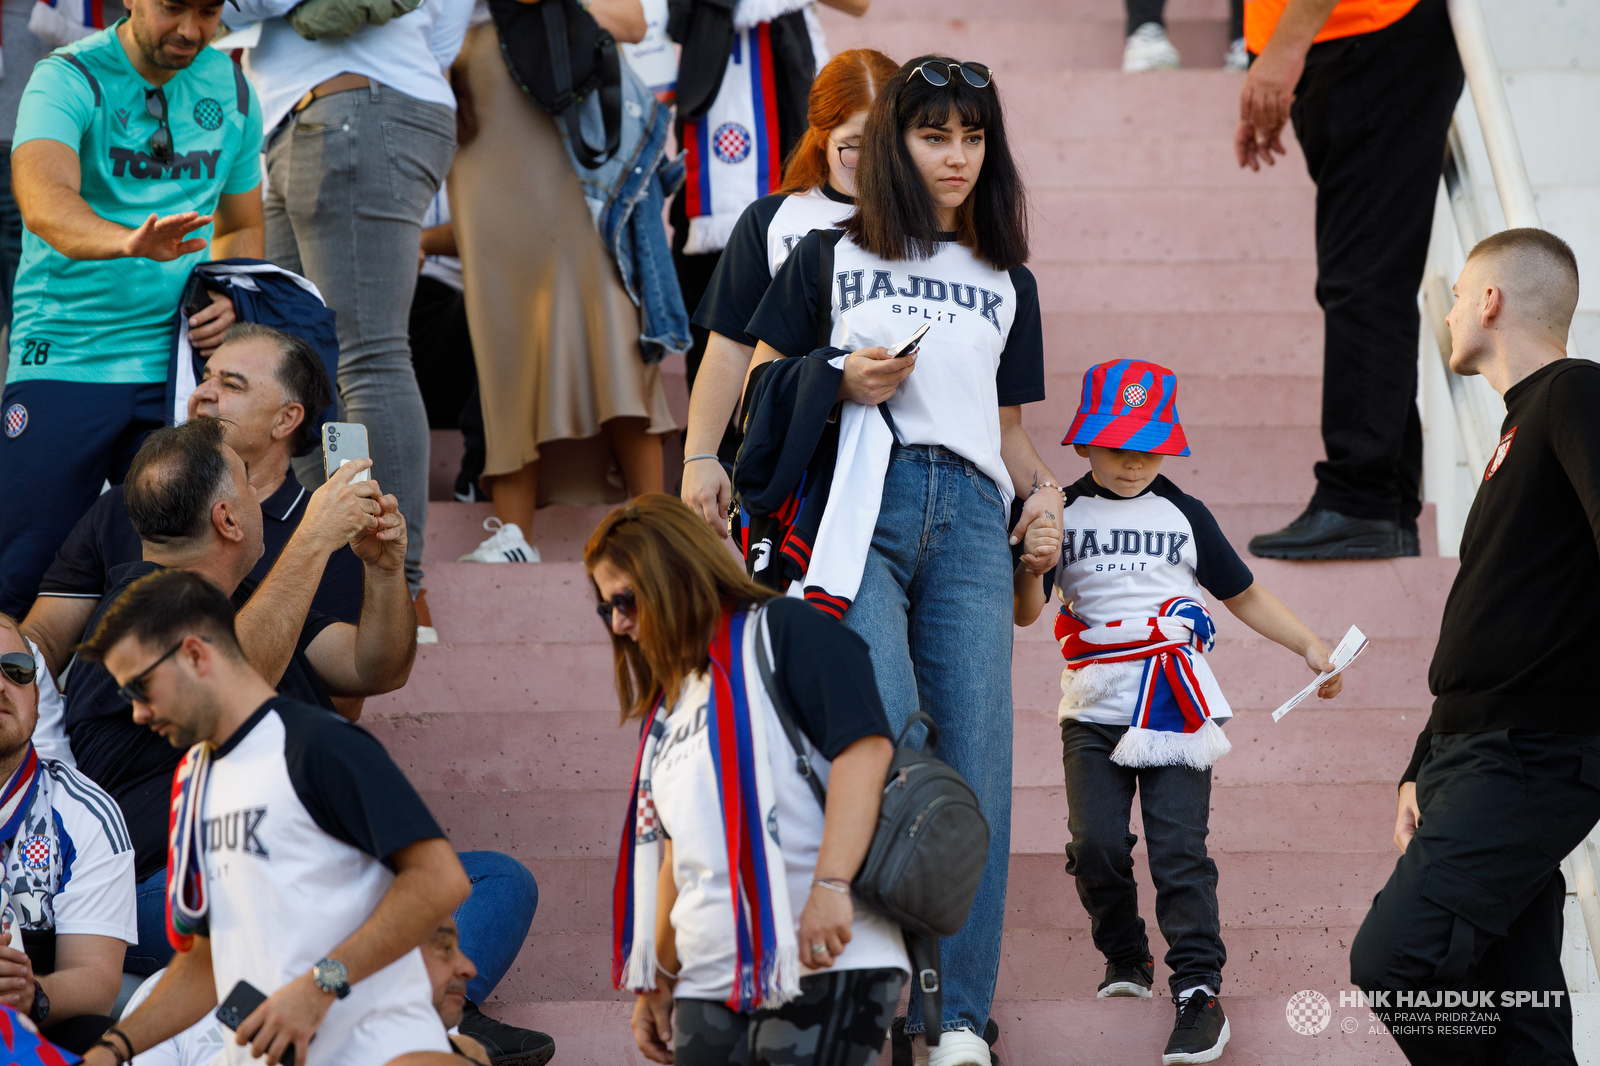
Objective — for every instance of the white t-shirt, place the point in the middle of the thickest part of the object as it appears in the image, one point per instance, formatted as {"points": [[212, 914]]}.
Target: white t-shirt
{"points": [[301, 809], [1123, 557], [50, 734], [985, 349], [199, 1045], [834, 709]]}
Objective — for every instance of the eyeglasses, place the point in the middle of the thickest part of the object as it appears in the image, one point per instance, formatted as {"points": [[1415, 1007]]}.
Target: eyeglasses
{"points": [[623, 601], [155, 102], [849, 154], [18, 667], [134, 690], [938, 72]]}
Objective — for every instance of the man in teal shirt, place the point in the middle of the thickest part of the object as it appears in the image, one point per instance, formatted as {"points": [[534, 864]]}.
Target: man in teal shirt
{"points": [[136, 149]]}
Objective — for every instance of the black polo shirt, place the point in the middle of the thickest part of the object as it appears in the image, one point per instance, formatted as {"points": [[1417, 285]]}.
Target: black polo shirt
{"points": [[104, 538], [127, 759]]}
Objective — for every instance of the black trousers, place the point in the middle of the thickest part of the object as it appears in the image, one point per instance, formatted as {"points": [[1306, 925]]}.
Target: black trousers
{"points": [[1176, 802], [1474, 905], [1372, 113], [1142, 11], [441, 353]]}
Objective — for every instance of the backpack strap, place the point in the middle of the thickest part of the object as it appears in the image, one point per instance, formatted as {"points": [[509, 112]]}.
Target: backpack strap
{"points": [[84, 70], [924, 952], [780, 704], [610, 92]]}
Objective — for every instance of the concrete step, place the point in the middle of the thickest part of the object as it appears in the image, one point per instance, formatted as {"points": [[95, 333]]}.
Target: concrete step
{"points": [[1171, 224], [1060, 159], [1046, 16]]}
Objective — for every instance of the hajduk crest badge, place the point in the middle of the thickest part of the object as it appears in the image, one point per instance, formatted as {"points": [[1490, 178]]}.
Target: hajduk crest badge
{"points": [[1135, 395], [1500, 452]]}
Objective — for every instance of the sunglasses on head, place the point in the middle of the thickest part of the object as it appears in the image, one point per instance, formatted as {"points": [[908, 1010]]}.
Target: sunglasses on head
{"points": [[18, 667], [134, 691], [623, 601], [938, 72], [155, 102]]}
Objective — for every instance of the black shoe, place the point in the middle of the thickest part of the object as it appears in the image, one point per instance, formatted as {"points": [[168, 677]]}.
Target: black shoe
{"points": [[1128, 979], [506, 1044], [468, 490], [1200, 1033], [1410, 543], [1323, 534]]}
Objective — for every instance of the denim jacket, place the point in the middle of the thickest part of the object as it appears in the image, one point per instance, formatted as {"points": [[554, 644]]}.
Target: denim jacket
{"points": [[626, 196]]}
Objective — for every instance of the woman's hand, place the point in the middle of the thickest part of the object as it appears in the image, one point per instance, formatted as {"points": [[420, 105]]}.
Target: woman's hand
{"points": [[652, 1023], [825, 922], [871, 376], [1409, 817], [1317, 659], [1043, 506], [707, 491]]}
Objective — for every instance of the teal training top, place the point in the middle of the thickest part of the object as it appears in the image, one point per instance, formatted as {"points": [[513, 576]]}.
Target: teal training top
{"points": [[112, 320]]}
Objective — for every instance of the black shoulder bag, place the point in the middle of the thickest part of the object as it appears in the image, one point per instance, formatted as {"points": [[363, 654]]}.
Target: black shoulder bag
{"points": [[927, 854], [558, 54]]}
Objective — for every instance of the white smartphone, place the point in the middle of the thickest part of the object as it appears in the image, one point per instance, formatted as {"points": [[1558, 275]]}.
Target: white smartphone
{"points": [[910, 344], [343, 442]]}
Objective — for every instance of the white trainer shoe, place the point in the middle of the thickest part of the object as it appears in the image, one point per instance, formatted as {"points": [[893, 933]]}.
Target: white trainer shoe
{"points": [[505, 544], [1238, 59], [1149, 49], [957, 1047]]}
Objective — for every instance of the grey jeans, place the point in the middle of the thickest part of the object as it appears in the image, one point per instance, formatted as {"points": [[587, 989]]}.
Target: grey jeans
{"points": [[348, 180]]}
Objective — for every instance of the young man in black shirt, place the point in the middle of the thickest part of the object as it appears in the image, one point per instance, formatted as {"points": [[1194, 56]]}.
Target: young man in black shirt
{"points": [[1505, 779]]}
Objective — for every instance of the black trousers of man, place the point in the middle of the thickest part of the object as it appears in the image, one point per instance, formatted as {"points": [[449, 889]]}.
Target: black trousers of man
{"points": [[1475, 903], [1372, 113]]}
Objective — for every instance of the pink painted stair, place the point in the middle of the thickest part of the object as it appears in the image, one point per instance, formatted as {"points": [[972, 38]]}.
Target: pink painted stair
{"points": [[1148, 242]]}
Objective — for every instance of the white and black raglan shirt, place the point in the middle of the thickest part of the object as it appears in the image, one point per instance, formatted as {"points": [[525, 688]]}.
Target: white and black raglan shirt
{"points": [[761, 240], [985, 349], [825, 673], [1123, 557], [302, 811]]}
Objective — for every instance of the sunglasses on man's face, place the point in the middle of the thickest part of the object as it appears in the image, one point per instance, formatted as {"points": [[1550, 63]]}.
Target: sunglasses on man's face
{"points": [[18, 667], [623, 601], [155, 102], [939, 73], [134, 691]]}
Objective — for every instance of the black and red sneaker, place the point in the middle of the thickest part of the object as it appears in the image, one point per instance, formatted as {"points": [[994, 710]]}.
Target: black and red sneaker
{"points": [[1200, 1032], [1132, 978]]}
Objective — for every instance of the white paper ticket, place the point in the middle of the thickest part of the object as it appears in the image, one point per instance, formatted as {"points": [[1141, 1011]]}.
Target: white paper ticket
{"points": [[1353, 644]]}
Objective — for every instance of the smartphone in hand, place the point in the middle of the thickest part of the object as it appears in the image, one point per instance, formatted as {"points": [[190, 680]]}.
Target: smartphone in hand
{"points": [[240, 1004], [343, 442], [910, 344]]}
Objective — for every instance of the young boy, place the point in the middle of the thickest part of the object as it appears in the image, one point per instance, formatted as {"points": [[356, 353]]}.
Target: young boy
{"points": [[1140, 708]]}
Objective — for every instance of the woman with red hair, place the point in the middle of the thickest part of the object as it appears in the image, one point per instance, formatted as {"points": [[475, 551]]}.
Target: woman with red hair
{"points": [[819, 185]]}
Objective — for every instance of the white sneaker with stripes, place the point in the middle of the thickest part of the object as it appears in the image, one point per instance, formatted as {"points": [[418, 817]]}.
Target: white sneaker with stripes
{"points": [[504, 544]]}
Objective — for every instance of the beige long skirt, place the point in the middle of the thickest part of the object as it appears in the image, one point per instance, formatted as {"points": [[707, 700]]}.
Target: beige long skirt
{"points": [[554, 334]]}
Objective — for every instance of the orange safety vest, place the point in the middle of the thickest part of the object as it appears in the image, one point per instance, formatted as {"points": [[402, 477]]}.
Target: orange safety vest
{"points": [[1350, 18]]}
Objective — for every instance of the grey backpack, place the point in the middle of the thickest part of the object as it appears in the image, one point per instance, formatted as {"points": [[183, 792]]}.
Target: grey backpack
{"points": [[927, 854]]}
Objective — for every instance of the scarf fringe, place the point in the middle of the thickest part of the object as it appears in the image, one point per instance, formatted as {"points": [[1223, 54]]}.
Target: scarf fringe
{"points": [[1088, 685], [751, 12], [710, 233], [1158, 747]]}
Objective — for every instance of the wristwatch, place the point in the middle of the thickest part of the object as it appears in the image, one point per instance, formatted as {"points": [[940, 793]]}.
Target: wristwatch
{"points": [[41, 1004], [330, 976]]}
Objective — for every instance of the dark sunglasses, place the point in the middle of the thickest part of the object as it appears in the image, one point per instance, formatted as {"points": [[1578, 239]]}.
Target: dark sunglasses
{"points": [[134, 690], [938, 72], [623, 601], [18, 667], [155, 102]]}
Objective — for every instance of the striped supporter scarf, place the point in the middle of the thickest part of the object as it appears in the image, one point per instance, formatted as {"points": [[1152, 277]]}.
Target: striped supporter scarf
{"points": [[187, 900], [15, 802], [768, 973], [1172, 723]]}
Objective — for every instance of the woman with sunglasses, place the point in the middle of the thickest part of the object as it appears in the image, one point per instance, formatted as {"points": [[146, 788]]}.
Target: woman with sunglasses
{"points": [[819, 185], [773, 964], [938, 239]]}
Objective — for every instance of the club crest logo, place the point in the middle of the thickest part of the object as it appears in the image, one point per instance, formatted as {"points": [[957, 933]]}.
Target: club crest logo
{"points": [[1308, 1012], [16, 420], [1499, 456], [731, 142], [207, 113], [36, 853], [1134, 395]]}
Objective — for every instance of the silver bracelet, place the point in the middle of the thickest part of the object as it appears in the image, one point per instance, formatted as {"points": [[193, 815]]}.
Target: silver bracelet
{"points": [[662, 970], [707, 455], [818, 882]]}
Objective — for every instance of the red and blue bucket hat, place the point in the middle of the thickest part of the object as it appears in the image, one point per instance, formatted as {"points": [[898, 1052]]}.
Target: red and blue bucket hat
{"points": [[1129, 404]]}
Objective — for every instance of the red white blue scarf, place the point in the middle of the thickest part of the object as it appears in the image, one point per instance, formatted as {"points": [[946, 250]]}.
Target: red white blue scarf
{"points": [[15, 802], [1172, 723], [768, 973], [187, 899]]}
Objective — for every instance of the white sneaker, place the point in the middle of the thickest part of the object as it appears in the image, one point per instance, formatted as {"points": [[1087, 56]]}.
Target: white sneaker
{"points": [[504, 545], [1237, 60], [957, 1047], [1149, 49]]}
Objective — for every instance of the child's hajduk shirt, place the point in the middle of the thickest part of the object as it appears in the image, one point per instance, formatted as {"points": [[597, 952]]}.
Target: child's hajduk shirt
{"points": [[1123, 558]]}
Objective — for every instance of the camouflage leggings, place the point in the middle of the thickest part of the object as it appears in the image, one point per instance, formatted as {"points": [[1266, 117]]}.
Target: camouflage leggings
{"points": [[840, 1019]]}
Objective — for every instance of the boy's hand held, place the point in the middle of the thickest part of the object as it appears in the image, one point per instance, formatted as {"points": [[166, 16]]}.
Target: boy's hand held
{"points": [[1318, 658]]}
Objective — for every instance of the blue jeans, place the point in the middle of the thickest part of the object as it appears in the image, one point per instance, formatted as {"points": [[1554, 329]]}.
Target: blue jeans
{"points": [[493, 921], [935, 610]]}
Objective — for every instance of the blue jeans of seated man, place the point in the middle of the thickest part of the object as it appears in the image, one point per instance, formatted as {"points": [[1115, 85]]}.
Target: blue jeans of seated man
{"points": [[935, 610], [494, 920]]}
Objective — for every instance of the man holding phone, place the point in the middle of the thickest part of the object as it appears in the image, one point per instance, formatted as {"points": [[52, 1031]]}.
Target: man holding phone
{"points": [[332, 874], [136, 148]]}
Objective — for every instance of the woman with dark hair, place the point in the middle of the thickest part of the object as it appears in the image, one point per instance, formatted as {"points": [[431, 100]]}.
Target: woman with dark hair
{"points": [[770, 964], [819, 185], [912, 549]]}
